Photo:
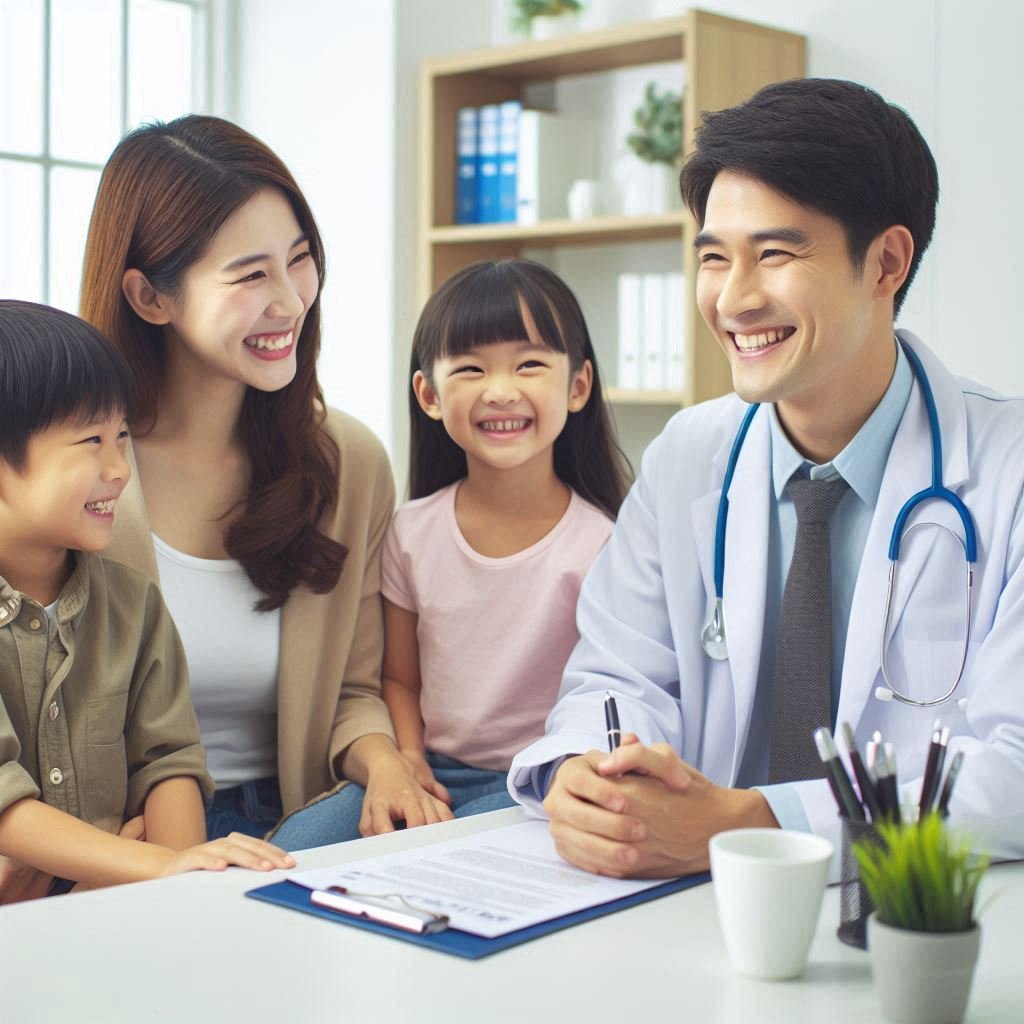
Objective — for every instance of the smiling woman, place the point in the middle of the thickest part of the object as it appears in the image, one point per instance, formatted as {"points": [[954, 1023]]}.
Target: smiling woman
{"points": [[260, 511]]}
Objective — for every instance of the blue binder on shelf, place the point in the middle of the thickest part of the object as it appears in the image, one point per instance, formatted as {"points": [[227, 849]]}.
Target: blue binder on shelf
{"points": [[471, 947], [487, 197]]}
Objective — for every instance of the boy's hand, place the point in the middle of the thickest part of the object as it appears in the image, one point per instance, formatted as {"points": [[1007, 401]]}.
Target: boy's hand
{"points": [[424, 775], [237, 849], [20, 882]]}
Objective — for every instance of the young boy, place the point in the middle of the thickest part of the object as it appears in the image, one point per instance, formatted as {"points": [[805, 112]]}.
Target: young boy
{"points": [[96, 720]]}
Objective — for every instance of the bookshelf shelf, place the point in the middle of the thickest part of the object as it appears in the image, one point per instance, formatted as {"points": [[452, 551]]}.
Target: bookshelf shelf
{"points": [[640, 396], [726, 61], [565, 232]]}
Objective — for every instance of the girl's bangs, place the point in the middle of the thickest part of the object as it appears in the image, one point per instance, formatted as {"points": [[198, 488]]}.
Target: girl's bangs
{"points": [[489, 310]]}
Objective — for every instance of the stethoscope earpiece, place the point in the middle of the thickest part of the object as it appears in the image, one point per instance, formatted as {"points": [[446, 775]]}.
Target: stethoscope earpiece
{"points": [[883, 693]]}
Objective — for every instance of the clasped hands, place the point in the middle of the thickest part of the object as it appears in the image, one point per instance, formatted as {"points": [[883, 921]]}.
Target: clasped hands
{"points": [[643, 812]]}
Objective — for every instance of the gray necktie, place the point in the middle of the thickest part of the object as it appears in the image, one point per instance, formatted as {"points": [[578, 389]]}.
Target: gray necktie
{"points": [[802, 684]]}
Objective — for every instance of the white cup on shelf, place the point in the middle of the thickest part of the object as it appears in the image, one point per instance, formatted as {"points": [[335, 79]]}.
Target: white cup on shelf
{"points": [[768, 887], [584, 199]]}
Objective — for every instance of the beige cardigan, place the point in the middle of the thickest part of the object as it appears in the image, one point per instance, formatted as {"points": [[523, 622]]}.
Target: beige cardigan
{"points": [[328, 679]]}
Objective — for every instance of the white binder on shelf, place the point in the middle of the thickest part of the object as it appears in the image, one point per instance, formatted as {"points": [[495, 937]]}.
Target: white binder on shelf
{"points": [[652, 346], [629, 307], [675, 331]]}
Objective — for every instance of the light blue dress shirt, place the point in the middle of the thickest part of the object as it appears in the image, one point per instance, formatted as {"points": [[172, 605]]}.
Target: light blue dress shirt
{"points": [[862, 465]]}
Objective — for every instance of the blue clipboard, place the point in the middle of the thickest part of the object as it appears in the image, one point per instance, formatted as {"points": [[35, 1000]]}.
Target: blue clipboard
{"points": [[471, 947]]}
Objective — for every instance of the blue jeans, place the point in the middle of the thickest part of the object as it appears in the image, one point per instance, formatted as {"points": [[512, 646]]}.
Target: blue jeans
{"points": [[335, 818], [252, 808]]}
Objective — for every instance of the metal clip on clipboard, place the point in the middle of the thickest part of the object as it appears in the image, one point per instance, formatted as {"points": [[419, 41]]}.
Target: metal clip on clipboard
{"points": [[390, 909]]}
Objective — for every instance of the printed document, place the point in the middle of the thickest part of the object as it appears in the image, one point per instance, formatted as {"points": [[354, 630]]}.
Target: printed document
{"points": [[488, 884]]}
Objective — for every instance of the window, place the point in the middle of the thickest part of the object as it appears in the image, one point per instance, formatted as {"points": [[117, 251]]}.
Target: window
{"points": [[75, 75]]}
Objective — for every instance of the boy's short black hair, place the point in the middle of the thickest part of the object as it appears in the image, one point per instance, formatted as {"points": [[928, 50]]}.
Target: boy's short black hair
{"points": [[53, 368], [833, 146]]}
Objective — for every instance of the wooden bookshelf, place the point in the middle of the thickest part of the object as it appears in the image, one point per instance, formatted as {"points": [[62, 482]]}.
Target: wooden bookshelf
{"points": [[726, 61]]}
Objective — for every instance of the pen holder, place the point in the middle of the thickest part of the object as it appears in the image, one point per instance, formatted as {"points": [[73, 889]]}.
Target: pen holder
{"points": [[855, 905]]}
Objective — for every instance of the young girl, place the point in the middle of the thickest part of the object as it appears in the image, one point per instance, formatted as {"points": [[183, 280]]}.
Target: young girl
{"points": [[516, 479], [260, 511]]}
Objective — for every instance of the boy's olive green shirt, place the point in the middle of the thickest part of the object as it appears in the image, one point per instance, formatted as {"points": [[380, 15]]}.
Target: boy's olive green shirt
{"points": [[95, 708]]}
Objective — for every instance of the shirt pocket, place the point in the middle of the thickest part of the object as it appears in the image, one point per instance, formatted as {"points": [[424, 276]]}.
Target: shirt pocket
{"points": [[106, 785]]}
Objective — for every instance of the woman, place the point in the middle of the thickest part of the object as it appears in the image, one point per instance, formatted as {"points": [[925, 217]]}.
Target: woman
{"points": [[260, 511]]}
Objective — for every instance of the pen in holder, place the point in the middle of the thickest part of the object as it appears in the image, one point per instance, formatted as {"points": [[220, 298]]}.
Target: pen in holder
{"points": [[855, 904]]}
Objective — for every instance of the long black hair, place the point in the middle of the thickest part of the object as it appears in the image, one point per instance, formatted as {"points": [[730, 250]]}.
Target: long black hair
{"points": [[481, 305]]}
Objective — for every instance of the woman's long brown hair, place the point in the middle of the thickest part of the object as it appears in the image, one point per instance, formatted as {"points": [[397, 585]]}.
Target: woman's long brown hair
{"points": [[165, 192]]}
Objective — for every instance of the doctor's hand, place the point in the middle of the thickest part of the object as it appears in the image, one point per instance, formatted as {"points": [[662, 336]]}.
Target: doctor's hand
{"points": [[654, 822]]}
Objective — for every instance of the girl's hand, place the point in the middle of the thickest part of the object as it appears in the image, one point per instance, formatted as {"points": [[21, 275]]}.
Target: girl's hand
{"points": [[241, 850], [424, 775], [134, 828], [393, 794]]}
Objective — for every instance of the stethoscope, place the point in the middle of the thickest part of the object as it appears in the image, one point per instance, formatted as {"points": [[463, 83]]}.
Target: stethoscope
{"points": [[713, 635]]}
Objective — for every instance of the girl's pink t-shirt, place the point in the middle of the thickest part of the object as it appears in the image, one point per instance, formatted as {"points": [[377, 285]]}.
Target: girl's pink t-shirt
{"points": [[494, 633]]}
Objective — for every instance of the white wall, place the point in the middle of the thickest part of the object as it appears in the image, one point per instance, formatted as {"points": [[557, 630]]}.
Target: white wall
{"points": [[316, 82], [332, 86]]}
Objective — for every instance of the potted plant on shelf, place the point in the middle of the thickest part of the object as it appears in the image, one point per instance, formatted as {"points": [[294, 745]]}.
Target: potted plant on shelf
{"points": [[923, 937], [544, 19], [651, 187]]}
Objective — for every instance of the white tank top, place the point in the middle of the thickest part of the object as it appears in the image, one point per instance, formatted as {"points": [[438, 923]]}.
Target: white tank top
{"points": [[232, 654]]}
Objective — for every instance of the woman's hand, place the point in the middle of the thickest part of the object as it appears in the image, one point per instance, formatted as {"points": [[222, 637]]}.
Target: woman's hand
{"points": [[237, 849], [395, 793]]}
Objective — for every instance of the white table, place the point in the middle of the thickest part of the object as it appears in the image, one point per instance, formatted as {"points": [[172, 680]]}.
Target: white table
{"points": [[192, 948]]}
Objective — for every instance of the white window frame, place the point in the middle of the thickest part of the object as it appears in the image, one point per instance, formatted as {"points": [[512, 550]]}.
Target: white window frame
{"points": [[202, 89]]}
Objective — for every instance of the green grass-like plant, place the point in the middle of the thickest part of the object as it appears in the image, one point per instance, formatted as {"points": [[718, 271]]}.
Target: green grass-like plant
{"points": [[527, 10], [920, 877]]}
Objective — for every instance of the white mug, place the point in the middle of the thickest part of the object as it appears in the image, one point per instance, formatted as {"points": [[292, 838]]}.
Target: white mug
{"points": [[768, 887], [584, 199]]}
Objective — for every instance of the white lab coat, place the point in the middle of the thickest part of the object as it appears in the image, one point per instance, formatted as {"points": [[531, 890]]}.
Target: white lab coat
{"points": [[649, 594]]}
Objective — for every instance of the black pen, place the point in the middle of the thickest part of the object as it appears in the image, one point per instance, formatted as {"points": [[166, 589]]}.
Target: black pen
{"points": [[611, 720], [867, 790], [888, 788], [930, 781], [943, 747], [947, 789], [838, 780]]}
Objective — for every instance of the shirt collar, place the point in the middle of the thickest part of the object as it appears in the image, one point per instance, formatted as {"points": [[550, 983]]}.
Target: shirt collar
{"points": [[862, 462], [73, 597]]}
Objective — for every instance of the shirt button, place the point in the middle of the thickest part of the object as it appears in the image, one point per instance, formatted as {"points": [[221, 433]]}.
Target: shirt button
{"points": [[34, 624], [56, 776], [54, 711]]}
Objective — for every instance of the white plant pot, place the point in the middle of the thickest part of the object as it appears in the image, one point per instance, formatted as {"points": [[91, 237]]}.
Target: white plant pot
{"points": [[922, 977], [650, 188], [549, 26]]}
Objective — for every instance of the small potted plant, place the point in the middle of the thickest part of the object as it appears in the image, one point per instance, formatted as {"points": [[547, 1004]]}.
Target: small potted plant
{"points": [[923, 937], [658, 142], [543, 19]]}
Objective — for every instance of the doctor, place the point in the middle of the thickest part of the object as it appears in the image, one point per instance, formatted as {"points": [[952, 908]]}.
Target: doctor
{"points": [[816, 201]]}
